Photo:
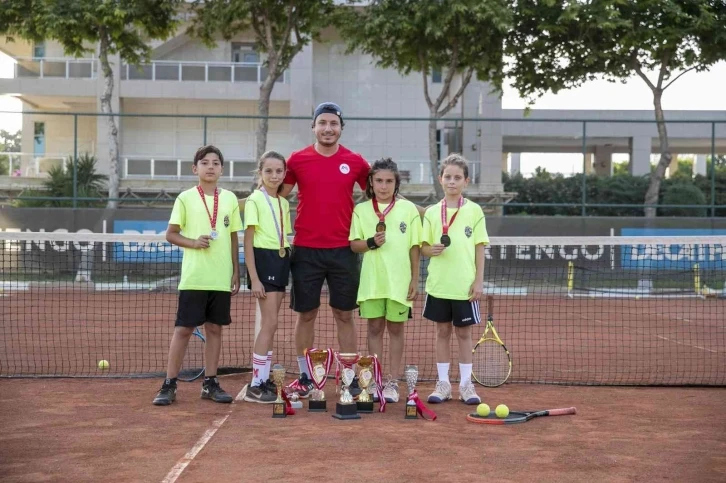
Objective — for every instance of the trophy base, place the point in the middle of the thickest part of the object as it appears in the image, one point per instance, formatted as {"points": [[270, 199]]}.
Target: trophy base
{"points": [[346, 411], [411, 412], [279, 410], [317, 406], [365, 407]]}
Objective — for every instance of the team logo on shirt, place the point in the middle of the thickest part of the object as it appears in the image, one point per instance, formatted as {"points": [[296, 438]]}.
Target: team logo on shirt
{"points": [[402, 227], [344, 168], [226, 221], [468, 231]]}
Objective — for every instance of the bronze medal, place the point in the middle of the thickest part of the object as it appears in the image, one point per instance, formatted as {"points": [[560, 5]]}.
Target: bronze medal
{"points": [[380, 227], [445, 240]]}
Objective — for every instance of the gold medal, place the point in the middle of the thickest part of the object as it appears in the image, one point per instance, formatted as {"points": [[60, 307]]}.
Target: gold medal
{"points": [[282, 253]]}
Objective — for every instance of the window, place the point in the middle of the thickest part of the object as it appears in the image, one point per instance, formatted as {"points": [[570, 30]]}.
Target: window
{"points": [[244, 53], [438, 144], [436, 76], [39, 50], [39, 138]]}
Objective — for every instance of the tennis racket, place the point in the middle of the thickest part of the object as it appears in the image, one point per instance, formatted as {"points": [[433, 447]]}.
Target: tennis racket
{"points": [[491, 362], [193, 364], [518, 416]]}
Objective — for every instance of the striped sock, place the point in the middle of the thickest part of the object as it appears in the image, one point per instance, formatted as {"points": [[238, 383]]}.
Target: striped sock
{"points": [[258, 367], [303, 365], [266, 375]]}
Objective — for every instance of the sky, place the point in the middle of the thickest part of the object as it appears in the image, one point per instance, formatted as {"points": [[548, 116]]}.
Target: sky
{"points": [[693, 91]]}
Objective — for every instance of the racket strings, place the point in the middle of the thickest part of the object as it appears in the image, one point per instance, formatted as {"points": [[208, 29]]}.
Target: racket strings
{"points": [[491, 365]]}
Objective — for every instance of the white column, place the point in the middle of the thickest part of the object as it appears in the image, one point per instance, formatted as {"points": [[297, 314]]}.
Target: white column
{"points": [[699, 166], [516, 163], [302, 100], [603, 160], [640, 148], [490, 142]]}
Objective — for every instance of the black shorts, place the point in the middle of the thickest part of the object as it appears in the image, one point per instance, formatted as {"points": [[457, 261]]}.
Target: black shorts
{"points": [[199, 306], [461, 312], [273, 271], [311, 266]]}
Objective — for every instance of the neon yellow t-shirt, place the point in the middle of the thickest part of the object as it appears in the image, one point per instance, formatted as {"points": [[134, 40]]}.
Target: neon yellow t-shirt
{"points": [[386, 272], [258, 214], [452, 273], [210, 268]]}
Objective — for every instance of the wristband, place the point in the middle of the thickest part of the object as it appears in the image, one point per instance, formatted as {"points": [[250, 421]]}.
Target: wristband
{"points": [[371, 242]]}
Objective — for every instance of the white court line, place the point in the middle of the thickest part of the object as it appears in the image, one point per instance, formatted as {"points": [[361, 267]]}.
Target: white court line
{"points": [[181, 465]]}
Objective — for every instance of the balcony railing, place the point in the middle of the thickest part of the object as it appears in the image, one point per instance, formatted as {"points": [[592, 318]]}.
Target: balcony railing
{"points": [[29, 164], [160, 167], [185, 71], [55, 68]]}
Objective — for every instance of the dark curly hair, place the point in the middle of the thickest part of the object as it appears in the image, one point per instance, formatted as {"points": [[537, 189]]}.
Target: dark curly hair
{"points": [[378, 165]]}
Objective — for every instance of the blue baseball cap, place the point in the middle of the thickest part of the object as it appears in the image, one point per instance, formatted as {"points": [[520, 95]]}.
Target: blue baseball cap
{"points": [[330, 108]]}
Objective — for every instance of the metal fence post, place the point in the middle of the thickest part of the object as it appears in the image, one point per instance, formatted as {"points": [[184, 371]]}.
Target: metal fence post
{"points": [[713, 170], [204, 143], [75, 161], [584, 168]]}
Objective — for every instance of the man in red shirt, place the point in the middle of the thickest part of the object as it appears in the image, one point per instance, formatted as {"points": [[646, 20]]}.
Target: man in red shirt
{"points": [[326, 173]]}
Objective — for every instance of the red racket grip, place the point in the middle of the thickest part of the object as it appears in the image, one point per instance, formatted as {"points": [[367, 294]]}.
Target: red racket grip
{"points": [[562, 412]]}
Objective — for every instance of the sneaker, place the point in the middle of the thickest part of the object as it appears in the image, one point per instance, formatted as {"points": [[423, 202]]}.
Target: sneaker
{"points": [[390, 391], [354, 388], [441, 393], [213, 391], [270, 387], [166, 395], [259, 394], [468, 394], [302, 386]]}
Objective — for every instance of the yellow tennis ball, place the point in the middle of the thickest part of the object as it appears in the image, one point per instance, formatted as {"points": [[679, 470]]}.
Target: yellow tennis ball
{"points": [[637, 297], [103, 364], [483, 410], [502, 411]]}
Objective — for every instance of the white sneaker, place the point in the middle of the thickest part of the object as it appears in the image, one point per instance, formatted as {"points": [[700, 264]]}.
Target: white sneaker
{"points": [[441, 393], [373, 390], [468, 394], [390, 391]]}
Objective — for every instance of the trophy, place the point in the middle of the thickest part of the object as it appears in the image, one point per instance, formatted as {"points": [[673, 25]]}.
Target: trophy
{"points": [[365, 377], [346, 408], [411, 374], [278, 377], [319, 362]]}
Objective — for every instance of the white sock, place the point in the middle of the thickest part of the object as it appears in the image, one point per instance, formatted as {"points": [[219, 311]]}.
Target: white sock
{"points": [[258, 369], [266, 374], [443, 368], [465, 371], [303, 365]]}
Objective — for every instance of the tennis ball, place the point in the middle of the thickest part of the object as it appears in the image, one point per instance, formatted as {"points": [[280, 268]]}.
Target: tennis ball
{"points": [[483, 410], [502, 411], [103, 364], [637, 297]]}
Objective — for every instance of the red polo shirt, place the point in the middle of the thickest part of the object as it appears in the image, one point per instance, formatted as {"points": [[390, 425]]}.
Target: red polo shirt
{"points": [[325, 195]]}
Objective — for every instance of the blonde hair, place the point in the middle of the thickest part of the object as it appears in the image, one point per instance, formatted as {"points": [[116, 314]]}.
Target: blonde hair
{"points": [[455, 159], [261, 164]]}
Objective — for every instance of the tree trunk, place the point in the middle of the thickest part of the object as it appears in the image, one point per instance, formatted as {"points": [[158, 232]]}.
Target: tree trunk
{"points": [[434, 157], [113, 175], [263, 109], [651, 196]]}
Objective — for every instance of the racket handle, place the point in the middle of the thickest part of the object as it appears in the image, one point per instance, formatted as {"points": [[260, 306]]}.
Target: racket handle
{"points": [[490, 304], [562, 412]]}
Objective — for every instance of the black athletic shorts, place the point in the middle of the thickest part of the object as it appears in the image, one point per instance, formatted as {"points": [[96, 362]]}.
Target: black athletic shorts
{"points": [[274, 271], [199, 306], [461, 313], [312, 266]]}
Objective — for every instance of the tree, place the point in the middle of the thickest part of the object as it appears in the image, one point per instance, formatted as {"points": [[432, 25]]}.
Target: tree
{"points": [[459, 37], [9, 143], [82, 26], [558, 44], [281, 28]]}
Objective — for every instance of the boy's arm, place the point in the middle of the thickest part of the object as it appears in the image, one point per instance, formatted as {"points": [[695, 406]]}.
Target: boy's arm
{"points": [[174, 236], [415, 256], [234, 239], [286, 190], [477, 287], [250, 253]]}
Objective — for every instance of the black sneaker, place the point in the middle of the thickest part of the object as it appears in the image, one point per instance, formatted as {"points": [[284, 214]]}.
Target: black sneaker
{"points": [[270, 387], [354, 388], [302, 386], [259, 394], [166, 395], [213, 391]]}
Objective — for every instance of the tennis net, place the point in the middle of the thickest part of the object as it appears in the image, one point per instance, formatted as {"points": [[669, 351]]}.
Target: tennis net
{"points": [[571, 310]]}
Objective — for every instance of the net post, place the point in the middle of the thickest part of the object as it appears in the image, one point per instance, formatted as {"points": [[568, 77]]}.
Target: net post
{"points": [[697, 278], [570, 278]]}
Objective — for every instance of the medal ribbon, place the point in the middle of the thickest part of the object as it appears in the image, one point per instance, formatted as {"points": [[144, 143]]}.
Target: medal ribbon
{"points": [[279, 227], [445, 226], [328, 364], [212, 219], [288, 406], [421, 407], [382, 216], [379, 383]]}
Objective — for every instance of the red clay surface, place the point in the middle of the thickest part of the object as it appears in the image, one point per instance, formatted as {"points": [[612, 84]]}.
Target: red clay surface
{"points": [[108, 430], [552, 338]]}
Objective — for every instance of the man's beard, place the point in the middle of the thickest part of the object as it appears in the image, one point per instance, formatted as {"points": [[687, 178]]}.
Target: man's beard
{"points": [[328, 144]]}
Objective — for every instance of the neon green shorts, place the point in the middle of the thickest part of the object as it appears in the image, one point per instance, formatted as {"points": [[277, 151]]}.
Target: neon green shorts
{"points": [[390, 309]]}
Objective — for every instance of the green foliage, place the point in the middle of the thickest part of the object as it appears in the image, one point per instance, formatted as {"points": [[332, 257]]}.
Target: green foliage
{"points": [[681, 193], [9, 143], [704, 184], [79, 25], [59, 184]]}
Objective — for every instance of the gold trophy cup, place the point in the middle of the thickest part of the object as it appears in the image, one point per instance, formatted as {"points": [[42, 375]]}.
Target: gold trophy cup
{"points": [[317, 403], [346, 407], [365, 378], [278, 377]]}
